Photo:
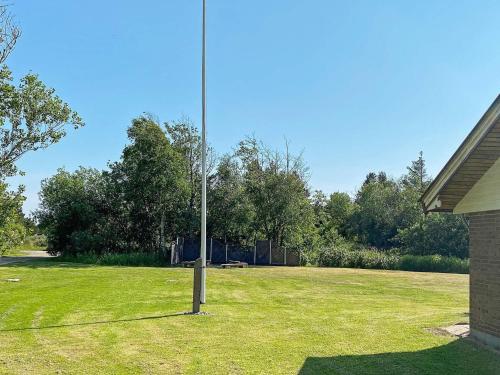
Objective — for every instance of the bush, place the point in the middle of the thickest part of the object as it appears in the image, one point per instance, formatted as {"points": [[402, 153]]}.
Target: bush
{"points": [[348, 256], [438, 233], [116, 259], [433, 263], [344, 256], [34, 242]]}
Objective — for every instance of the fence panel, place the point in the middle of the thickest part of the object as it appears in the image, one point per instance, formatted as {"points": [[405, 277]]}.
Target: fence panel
{"points": [[218, 252], [292, 257], [241, 253], [278, 255], [190, 249], [262, 256]]}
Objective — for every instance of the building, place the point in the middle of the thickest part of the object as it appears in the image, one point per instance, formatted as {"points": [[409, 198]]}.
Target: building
{"points": [[470, 184]]}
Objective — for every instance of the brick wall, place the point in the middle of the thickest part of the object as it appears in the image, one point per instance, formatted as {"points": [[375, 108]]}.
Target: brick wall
{"points": [[485, 275]]}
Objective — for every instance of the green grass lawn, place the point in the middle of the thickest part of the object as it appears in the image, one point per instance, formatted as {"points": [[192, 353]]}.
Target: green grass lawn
{"points": [[71, 319]]}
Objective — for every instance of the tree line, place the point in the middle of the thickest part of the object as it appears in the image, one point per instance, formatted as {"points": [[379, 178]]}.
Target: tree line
{"points": [[152, 195]]}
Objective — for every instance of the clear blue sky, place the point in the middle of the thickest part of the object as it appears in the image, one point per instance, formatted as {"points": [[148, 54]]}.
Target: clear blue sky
{"points": [[358, 85]]}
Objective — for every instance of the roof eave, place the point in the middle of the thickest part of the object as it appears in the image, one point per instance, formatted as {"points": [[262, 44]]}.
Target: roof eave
{"points": [[463, 152]]}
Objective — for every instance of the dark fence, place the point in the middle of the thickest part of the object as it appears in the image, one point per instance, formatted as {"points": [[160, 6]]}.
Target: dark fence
{"points": [[264, 252]]}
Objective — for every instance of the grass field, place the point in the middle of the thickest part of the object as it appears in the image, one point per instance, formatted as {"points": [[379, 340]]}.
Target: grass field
{"points": [[69, 318]]}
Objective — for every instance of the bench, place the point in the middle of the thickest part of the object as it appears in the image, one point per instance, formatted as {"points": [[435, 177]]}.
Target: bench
{"points": [[234, 264], [190, 263]]}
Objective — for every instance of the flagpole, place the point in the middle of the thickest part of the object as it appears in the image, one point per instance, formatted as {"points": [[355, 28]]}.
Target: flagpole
{"points": [[203, 248]]}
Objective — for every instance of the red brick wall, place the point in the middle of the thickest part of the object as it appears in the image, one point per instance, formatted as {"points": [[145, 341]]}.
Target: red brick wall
{"points": [[485, 272]]}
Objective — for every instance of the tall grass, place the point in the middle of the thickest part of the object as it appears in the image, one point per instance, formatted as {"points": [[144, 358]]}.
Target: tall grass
{"points": [[375, 259], [433, 263]]}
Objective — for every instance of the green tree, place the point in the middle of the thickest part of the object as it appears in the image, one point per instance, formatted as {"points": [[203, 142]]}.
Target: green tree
{"points": [[12, 228], [230, 213], [381, 209], [417, 177], [340, 208], [275, 183], [71, 212], [31, 117], [333, 215], [185, 138], [151, 177], [135, 206], [438, 233]]}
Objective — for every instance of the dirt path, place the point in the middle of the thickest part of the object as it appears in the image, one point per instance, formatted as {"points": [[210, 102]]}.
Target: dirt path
{"points": [[30, 255]]}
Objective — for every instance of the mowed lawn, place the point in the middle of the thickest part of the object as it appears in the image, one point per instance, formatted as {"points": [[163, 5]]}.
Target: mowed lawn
{"points": [[66, 318]]}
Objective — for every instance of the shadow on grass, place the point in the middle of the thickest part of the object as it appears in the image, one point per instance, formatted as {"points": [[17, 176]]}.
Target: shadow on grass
{"points": [[155, 317], [460, 357]]}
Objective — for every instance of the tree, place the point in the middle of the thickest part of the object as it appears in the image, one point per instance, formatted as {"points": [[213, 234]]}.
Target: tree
{"points": [[9, 33], [71, 214], [186, 139], [12, 228], [275, 184], [381, 209], [333, 216], [417, 177], [31, 117], [438, 233], [151, 178], [340, 208], [135, 206], [230, 214]]}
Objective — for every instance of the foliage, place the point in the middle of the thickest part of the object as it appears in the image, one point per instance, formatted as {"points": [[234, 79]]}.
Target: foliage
{"points": [[438, 233], [186, 140], [151, 196], [34, 242], [230, 212], [348, 256], [433, 263], [12, 228], [9, 33], [133, 207], [417, 177], [71, 211], [387, 213], [333, 216], [31, 117], [382, 207], [151, 180], [275, 183]]}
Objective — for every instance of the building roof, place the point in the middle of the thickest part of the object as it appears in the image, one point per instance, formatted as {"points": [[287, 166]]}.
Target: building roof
{"points": [[477, 153]]}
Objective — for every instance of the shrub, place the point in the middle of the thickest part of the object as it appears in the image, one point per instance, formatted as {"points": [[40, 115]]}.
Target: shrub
{"points": [[433, 263], [438, 233], [348, 256], [11, 235], [356, 258]]}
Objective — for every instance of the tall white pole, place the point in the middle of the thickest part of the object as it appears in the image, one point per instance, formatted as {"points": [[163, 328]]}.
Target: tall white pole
{"points": [[203, 249]]}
